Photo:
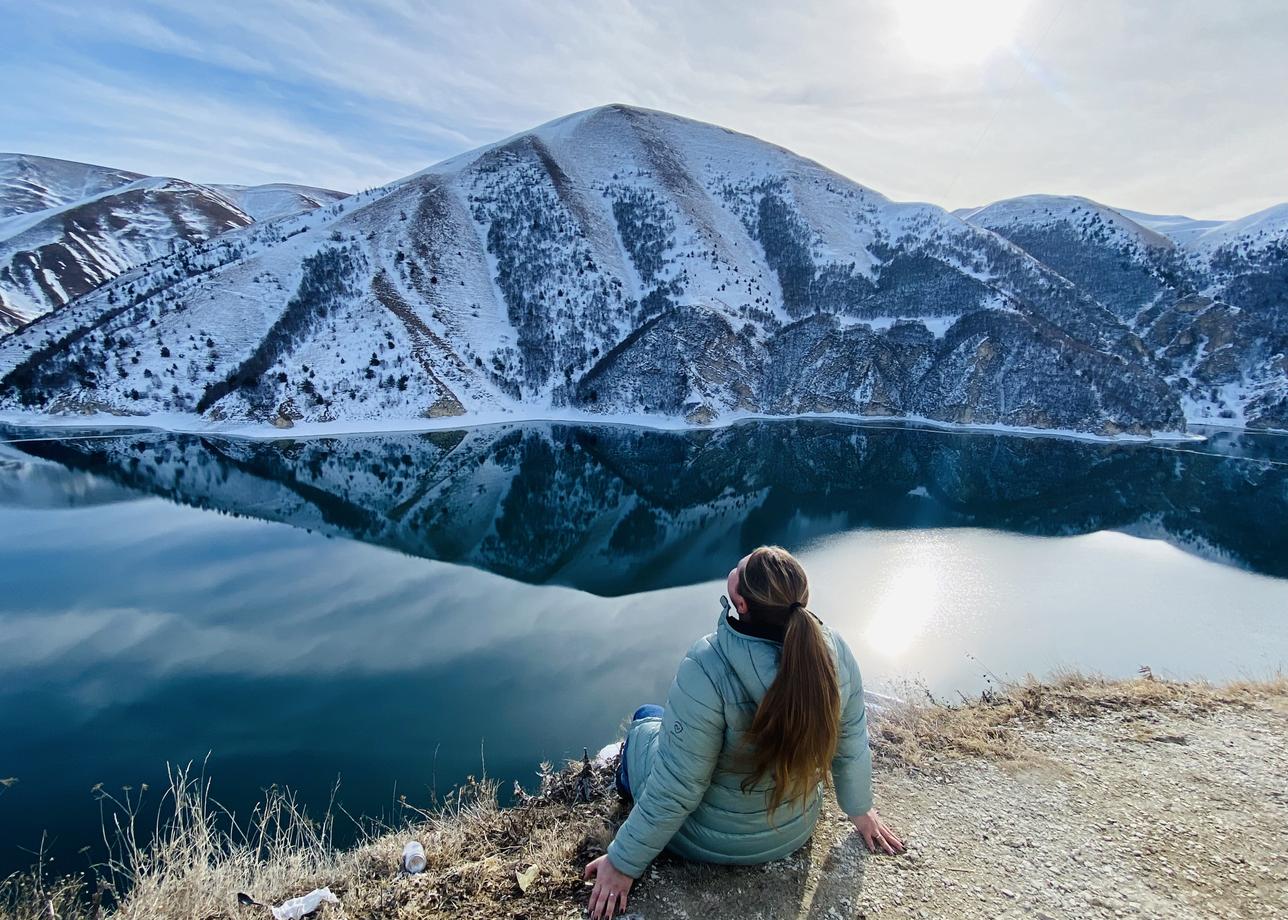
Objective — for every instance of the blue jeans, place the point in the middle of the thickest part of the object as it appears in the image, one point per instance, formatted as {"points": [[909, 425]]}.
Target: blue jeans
{"points": [[647, 711]]}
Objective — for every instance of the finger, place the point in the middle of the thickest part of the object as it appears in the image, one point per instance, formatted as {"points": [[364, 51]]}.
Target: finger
{"points": [[885, 844], [867, 840], [596, 900], [891, 835], [590, 870], [624, 893], [894, 838]]}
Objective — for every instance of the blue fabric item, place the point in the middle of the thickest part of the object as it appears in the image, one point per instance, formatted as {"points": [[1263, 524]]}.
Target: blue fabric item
{"points": [[683, 768], [623, 780]]}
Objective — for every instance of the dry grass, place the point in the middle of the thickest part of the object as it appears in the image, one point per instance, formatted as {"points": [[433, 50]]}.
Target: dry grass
{"points": [[198, 860], [193, 860], [916, 734]]}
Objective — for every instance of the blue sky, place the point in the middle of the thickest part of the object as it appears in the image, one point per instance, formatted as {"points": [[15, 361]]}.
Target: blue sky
{"points": [[1160, 106]]}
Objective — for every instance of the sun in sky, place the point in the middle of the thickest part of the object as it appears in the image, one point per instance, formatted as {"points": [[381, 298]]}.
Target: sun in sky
{"points": [[950, 34]]}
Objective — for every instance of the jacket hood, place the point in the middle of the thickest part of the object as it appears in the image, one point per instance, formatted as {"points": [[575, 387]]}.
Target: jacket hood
{"points": [[751, 659]]}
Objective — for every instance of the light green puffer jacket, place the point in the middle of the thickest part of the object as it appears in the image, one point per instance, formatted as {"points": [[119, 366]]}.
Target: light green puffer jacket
{"points": [[682, 770]]}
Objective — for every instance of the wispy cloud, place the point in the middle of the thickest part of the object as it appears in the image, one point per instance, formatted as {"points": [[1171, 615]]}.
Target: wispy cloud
{"points": [[205, 136], [1173, 106]]}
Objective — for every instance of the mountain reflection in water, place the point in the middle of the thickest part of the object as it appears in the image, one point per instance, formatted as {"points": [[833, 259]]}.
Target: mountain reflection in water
{"points": [[617, 510]]}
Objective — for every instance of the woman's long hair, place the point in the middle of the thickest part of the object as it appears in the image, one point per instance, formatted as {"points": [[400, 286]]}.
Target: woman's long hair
{"points": [[794, 732]]}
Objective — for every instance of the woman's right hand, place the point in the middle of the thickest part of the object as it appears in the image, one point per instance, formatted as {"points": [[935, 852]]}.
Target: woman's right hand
{"points": [[876, 833]]}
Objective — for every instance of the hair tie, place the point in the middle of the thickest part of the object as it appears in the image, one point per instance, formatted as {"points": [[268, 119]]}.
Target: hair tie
{"points": [[794, 606]]}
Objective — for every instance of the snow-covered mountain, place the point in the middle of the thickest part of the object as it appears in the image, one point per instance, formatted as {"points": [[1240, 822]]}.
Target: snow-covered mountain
{"points": [[1257, 230], [65, 228], [1124, 265], [621, 261], [277, 199], [1176, 227], [30, 183], [1209, 298]]}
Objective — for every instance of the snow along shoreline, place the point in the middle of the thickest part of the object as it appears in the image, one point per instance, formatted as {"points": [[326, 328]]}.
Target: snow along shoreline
{"points": [[181, 423]]}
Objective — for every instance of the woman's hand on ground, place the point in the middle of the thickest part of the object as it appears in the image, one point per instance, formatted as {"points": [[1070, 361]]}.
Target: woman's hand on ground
{"points": [[608, 897], [876, 833]]}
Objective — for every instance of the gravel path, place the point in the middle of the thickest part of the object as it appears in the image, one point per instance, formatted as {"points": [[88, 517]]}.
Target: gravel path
{"points": [[1169, 813]]}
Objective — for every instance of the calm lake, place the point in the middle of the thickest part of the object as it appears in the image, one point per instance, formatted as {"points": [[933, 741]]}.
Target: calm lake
{"points": [[398, 611]]}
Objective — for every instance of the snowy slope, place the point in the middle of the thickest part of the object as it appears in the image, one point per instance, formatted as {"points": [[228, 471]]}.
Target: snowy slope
{"points": [[618, 261], [52, 256], [1208, 298], [1176, 227], [31, 183], [1256, 231], [1123, 264], [65, 228], [1028, 210], [278, 199]]}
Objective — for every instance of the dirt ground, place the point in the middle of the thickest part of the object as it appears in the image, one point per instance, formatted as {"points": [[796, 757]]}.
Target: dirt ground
{"points": [[1169, 813]]}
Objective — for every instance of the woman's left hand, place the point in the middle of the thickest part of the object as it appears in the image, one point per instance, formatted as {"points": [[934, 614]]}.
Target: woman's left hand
{"points": [[608, 897]]}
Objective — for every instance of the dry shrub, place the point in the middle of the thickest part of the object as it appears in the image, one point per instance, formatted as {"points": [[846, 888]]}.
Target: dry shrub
{"points": [[477, 853], [194, 860]]}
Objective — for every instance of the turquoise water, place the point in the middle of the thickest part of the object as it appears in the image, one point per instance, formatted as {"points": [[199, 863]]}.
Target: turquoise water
{"points": [[396, 612]]}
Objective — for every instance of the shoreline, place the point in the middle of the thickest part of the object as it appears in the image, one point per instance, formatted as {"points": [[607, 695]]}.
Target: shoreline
{"points": [[185, 424], [1076, 796]]}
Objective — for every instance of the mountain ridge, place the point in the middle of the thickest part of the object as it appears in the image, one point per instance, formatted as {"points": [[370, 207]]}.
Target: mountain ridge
{"points": [[624, 261], [66, 228], [1210, 301]]}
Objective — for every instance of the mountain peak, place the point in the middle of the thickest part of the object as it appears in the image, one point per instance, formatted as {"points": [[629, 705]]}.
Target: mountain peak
{"points": [[630, 263], [1033, 209]]}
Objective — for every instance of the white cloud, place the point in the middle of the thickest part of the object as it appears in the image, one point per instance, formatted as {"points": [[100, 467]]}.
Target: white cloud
{"points": [[1164, 106]]}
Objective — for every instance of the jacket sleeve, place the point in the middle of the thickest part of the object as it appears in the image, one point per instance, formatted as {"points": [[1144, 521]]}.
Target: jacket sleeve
{"points": [[852, 765], [688, 746]]}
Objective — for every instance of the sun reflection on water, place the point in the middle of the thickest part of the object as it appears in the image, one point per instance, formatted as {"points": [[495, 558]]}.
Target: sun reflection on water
{"points": [[903, 607]]}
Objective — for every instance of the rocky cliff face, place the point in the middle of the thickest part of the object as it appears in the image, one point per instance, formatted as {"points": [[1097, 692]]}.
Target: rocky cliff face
{"points": [[617, 261]]}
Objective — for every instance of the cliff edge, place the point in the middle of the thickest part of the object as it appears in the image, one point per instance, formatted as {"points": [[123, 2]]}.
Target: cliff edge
{"points": [[1074, 797]]}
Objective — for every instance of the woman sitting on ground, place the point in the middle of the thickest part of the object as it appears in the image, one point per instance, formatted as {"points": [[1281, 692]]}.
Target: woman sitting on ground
{"points": [[731, 770]]}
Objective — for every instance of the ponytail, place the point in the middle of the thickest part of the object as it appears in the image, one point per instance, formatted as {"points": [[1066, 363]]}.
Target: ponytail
{"points": [[794, 732]]}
